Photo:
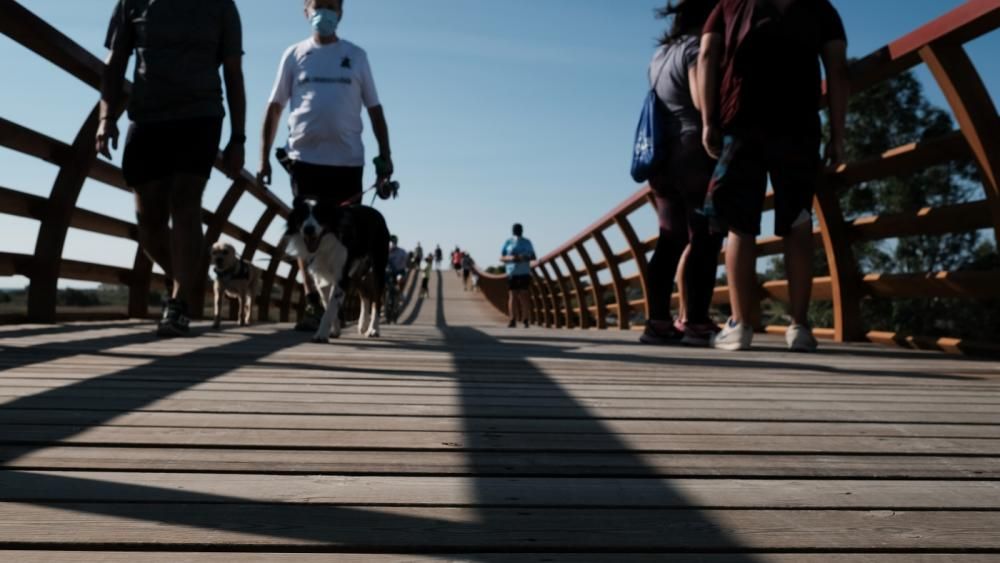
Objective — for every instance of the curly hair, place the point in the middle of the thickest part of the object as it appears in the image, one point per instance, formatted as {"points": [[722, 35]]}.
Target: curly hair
{"points": [[686, 16]]}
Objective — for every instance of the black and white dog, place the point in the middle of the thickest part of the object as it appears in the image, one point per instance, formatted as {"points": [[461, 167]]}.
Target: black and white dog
{"points": [[345, 247]]}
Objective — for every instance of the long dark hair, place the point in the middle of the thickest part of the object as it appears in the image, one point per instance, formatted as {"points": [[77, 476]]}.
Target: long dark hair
{"points": [[686, 16]]}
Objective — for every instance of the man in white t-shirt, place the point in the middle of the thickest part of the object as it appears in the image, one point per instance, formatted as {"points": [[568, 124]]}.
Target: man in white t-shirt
{"points": [[325, 82]]}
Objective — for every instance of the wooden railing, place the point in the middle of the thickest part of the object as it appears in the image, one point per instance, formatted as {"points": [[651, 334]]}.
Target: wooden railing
{"points": [[78, 162], [569, 294]]}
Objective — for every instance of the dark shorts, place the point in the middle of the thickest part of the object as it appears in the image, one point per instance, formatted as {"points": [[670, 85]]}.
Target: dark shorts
{"points": [[158, 150], [327, 183], [425, 283], [519, 283], [739, 185]]}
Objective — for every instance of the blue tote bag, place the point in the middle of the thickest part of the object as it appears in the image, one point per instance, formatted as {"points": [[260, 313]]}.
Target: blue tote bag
{"points": [[650, 135]]}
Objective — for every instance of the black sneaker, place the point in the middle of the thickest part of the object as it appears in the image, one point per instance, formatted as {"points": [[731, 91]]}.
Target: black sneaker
{"points": [[660, 333], [310, 321], [512, 324], [527, 324], [175, 322]]}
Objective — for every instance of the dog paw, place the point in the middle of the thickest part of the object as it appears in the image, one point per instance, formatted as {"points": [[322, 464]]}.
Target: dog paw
{"points": [[320, 339], [372, 333]]}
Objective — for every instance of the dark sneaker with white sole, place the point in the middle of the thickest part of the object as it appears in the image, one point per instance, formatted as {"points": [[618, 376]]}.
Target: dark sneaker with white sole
{"points": [[311, 319], [175, 322], [659, 333]]}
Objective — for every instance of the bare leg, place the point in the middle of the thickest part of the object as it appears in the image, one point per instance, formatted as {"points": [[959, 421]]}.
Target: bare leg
{"points": [[513, 305], [524, 298], [798, 265], [187, 241], [741, 268], [152, 207], [681, 286]]}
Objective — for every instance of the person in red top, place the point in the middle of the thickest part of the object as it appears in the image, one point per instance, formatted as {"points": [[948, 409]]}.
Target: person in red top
{"points": [[761, 89]]}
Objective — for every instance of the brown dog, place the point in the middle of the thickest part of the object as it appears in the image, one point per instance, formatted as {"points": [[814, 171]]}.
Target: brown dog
{"points": [[236, 279]]}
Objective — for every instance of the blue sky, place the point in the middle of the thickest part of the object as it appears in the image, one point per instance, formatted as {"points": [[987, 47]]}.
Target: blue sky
{"points": [[521, 110]]}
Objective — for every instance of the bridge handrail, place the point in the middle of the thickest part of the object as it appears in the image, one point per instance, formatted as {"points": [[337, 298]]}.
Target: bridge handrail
{"points": [[578, 298], [78, 162]]}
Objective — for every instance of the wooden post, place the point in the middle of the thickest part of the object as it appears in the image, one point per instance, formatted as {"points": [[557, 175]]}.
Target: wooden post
{"points": [[973, 107], [595, 285], [43, 291], [624, 311], [574, 276], [638, 254], [564, 291]]}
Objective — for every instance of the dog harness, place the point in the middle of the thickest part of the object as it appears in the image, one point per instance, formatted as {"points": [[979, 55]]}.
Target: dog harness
{"points": [[241, 272]]}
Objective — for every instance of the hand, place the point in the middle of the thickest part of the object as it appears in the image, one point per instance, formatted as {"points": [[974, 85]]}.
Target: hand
{"points": [[264, 172], [834, 154], [233, 158], [107, 137], [387, 168], [711, 139]]}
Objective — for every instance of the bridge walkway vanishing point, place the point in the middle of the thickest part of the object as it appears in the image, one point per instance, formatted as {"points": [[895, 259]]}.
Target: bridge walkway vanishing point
{"points": [[453, 439]]}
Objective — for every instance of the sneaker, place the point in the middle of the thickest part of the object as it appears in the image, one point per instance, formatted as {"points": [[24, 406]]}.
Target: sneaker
{"points": [[699, 334], [527, 324], [512, 324], [175, 322], [311, 319], [660, 333], [734, 337], [800, 339]]}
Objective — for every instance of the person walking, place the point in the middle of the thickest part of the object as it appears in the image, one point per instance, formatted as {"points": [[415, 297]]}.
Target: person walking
{"points": [[467, 265], [324, 81], [517, 254], [679, 186], [176, 113], [761, 85], [438, 257]]}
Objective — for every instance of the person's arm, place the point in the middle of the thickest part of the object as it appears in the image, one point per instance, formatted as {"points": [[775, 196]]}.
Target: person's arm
{"points": [[234, 155], [268, 132], [381, 131], [709, 67], [693, 85], [112, 82], [838, 87], [120, 43]]}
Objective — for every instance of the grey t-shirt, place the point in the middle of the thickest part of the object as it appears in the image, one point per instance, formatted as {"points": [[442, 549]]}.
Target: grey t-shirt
{"points": [[668, 71], [179, 46]]}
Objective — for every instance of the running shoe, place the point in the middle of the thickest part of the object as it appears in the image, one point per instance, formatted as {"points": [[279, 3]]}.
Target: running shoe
{"points": [[800, 339], [699, 334], [733, 337], [175, 322], [311, 319], [660, 333]]}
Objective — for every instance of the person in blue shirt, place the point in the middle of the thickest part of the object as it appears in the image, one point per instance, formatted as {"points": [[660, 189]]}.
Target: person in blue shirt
{"points": [[517, 255]]}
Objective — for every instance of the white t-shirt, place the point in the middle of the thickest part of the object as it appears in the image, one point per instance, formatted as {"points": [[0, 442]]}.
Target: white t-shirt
{"points": [[326, 86]]}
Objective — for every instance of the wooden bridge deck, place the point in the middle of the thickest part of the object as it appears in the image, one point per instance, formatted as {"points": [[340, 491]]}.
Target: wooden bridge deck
{"points": [[454, 439]]}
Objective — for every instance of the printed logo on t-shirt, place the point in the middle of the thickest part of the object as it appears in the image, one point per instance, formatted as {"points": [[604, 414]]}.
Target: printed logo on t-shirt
{"points": [[304, 78], [346, 63]]}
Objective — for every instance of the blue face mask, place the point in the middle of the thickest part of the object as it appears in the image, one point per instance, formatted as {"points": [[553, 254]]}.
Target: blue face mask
{"points": [[325, 21]]}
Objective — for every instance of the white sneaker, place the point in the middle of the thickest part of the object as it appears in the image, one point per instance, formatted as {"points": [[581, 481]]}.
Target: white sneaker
{"points": [[800, 339], [734, 337]]}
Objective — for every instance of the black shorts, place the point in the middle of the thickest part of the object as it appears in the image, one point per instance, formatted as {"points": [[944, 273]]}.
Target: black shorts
{"points": [[519, 283], [327, 183], [158, 150], [739, 185]]}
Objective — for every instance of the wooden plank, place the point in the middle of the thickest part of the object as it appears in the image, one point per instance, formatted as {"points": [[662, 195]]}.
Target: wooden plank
{"points": [[319, 527], [50, 487], [548, 557], [29, 418], [483, 464], [960, 218], [485, 440], [904, 160], [965, 285]]}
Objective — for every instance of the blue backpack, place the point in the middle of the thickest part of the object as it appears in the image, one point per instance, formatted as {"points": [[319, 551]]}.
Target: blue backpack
{"points": [[650, 135]]}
